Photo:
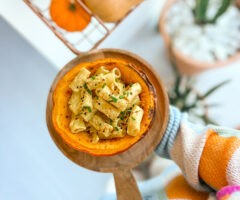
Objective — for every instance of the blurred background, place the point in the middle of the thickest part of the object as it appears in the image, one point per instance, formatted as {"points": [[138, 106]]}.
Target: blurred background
{"points": [[192, 51]]}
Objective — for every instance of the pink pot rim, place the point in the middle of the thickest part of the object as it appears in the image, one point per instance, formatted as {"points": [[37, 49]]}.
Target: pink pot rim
{"points": [[228, 190], [177, 52]]}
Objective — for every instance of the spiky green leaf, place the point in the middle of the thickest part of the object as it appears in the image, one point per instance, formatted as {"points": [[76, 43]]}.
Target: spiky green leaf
{"points": [[213, 89], [222, 9], [201, 10]]}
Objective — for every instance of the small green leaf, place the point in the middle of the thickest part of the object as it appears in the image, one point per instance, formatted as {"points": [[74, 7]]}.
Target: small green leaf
{"points": [[187, 108], [177, 83], [122, 115], [221, 10], [113, 99], [209, 92], [116, 128], [103, 86], [125, 113], [86, 88], [121, 97], [89, 108], [201, 10], [93, 77]]}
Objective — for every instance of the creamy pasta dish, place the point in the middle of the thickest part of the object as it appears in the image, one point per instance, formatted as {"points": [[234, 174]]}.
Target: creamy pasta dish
{"points": [[104, 106]]}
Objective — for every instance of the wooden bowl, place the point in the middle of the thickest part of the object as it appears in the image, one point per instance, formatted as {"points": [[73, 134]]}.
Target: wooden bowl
{"points": [[184, 63], [120, 164]]}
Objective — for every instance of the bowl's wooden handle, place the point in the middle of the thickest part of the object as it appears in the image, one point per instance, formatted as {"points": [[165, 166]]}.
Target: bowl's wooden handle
{"points": [[126, 186]]}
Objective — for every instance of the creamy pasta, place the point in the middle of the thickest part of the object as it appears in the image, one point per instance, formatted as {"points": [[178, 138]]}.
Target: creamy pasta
{"points": [[104, 106]]}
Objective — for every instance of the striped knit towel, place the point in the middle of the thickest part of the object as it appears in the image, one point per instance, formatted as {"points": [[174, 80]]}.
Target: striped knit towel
{"points": [[209, 157]]}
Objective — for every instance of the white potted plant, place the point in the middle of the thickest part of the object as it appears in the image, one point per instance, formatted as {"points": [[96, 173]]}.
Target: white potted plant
{"points": [[201, 34]]}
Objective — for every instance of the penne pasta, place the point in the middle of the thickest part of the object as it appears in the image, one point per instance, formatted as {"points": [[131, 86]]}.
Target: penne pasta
{"points": [[109, 78], [101, 126], [94, 133], [102, 70], [106, 94], [80, 100], [74, 103], [120, 87], [86, 99], [133, 90], [114, 123], [135, 101], [77, 124], [117, 87], [134, 121], [116, 72], [79, 80], [87, 113], [95, 138], [101, 105], [114, 134], [98, 81], [106, 108]]}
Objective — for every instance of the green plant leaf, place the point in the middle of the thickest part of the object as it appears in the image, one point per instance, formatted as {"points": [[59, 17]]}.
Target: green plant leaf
{"points": [[212, 90], [201, 10], [177, 83], [87, 89], [187, 108], [221, 10], [187, 92]]}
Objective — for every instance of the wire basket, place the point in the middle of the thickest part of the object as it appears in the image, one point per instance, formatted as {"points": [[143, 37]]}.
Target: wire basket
{"points": [[79, 41]]}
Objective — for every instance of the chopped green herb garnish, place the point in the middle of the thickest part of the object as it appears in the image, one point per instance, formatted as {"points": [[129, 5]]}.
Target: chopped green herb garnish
{"points": [[104, 85], [122, 114], [111, 121], [130, 84], [129, 110], [116, 128], [125, 113], [126, 93], [89, 108], [86, 88], [133, 118], [113, 99], [93, 77], [121, 97]]}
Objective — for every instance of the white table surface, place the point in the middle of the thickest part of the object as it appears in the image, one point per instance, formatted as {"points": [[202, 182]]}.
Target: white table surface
{"points": [[31, 165], [138, 33]]}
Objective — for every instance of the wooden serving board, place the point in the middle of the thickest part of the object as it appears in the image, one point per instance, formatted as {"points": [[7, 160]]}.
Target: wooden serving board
{"points": [[121, 164]]}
